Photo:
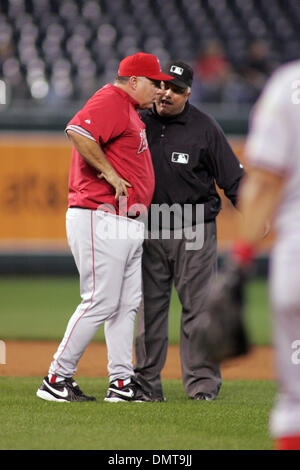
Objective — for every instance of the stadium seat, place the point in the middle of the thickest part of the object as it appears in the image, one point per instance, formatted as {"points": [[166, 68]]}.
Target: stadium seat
{"points": [[64, 49]]}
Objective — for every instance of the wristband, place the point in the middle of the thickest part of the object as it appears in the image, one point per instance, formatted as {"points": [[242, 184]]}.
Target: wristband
{"points": [[242, 252]]}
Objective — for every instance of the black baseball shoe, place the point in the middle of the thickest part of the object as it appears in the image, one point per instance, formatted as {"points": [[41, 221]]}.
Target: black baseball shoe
{"points": [[205, 396], [132, 392], [158, 399], [66, 390]]}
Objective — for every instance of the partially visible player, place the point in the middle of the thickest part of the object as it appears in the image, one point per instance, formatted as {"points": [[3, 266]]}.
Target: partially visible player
{"points": [[110, 159], [272, 192]]}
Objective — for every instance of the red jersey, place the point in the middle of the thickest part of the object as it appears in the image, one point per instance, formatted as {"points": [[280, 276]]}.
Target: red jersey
{"points": [[110, 118]]}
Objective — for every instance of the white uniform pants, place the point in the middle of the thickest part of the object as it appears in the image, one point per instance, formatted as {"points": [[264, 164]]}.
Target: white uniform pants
{"points": [[107, 250], [285, 300]]}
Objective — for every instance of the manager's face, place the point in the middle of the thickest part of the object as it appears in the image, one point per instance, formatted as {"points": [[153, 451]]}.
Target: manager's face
{"points": [[146, 92]]}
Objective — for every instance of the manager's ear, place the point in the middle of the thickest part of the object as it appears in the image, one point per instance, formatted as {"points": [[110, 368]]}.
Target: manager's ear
{"points": [[132, 82]]}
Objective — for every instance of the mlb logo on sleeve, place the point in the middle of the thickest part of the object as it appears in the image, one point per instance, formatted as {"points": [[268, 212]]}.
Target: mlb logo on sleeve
{"points": [[178, 157]]}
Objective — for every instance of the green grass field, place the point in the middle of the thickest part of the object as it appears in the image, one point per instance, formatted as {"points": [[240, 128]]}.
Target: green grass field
{"points": [[39, 308], [236, 421]]}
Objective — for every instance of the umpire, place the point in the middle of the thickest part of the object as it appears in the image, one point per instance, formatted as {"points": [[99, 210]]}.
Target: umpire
{"points": [[190, 154]]}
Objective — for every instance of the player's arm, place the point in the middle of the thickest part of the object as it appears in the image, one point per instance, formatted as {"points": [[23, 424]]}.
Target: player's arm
{"points": [[94, 155], [259, 197]]}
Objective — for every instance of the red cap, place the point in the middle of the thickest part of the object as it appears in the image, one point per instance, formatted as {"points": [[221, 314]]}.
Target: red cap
{"points": [[142, 65]]}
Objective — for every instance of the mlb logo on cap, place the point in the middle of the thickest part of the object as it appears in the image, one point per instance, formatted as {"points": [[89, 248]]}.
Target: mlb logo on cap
{"points": [[177, 70]]}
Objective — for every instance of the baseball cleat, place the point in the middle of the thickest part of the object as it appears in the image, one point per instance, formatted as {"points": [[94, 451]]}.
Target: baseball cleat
{"points": [[132, 392], [159, 399], [66, 390], [205, 396]]}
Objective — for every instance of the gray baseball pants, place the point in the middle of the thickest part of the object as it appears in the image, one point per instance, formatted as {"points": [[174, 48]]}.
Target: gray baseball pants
{"points": [[192, 271]]}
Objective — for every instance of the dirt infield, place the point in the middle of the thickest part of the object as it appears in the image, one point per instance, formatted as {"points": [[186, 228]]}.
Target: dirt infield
{"points": [[32, 359]]}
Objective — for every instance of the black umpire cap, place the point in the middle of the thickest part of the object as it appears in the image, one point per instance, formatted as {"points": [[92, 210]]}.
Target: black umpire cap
{"points": [[182, 73]]}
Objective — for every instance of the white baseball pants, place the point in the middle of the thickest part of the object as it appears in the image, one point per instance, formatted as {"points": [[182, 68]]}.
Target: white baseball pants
{"points": [[107, 250], [285, 299]]}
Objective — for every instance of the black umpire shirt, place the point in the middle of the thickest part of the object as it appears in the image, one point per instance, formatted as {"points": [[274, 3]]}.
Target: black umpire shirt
{"points": [[190, 155]]}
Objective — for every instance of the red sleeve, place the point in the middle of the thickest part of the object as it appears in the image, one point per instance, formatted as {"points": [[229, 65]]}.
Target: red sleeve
{"points": [[104, 116]]}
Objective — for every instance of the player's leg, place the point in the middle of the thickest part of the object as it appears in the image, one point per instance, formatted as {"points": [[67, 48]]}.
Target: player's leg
{"points": [[194, 273], [119, 328], [285, 300], [100, 261], [151, 343]]}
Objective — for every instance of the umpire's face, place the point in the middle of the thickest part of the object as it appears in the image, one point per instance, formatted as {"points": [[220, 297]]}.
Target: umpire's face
{"points": [[171, 99]]}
